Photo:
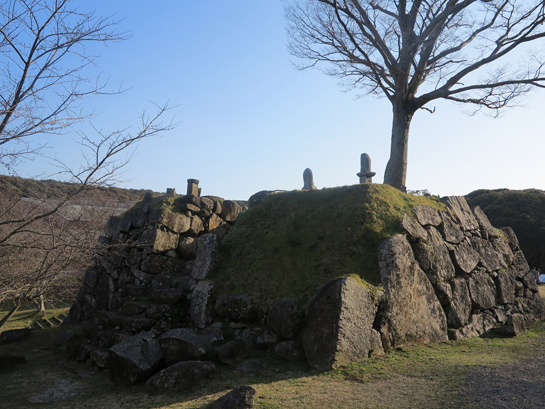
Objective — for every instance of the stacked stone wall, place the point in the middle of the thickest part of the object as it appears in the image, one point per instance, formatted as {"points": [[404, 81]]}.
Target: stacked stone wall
{"points": [[146, 302]]}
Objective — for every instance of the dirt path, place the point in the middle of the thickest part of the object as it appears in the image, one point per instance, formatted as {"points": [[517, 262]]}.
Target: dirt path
{"points": [[519, 385]]}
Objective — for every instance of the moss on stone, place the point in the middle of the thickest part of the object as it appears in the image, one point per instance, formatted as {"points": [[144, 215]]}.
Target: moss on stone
{"points": [[292, 243]]}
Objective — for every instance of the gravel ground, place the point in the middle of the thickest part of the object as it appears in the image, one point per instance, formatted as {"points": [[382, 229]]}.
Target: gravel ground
{"points": [[519, 385]]}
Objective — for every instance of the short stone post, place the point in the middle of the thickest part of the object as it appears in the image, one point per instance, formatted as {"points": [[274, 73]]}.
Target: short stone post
{"points": [[308, 180], [365, 175], [193, 187], [171, 191]]}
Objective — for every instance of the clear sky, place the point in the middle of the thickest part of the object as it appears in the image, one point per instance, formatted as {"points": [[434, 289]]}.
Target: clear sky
{"points": [[249, 121]]}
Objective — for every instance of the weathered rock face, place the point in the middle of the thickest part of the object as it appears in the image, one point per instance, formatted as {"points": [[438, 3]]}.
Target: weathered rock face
{"points": [[412, 312], [490, 280], [339, 324]]}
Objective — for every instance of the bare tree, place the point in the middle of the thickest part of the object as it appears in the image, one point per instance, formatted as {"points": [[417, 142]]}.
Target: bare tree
{"points": [[44, 76], [414, 52]]}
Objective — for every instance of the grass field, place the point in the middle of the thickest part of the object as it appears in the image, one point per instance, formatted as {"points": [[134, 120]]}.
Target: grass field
{"points": [[427, 377]]}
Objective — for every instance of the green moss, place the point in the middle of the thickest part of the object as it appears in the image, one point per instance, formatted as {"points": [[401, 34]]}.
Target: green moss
{"points": [[292, 243]]}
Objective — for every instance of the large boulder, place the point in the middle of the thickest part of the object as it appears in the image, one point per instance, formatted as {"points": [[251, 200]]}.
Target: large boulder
{"points": [[285, 318], [180, 376], [183, 344], [339, 324], [412, 311], [135, 359]]}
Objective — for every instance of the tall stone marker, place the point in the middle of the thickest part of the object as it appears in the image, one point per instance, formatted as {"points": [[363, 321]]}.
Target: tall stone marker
{"points": [[193, 187], [171, 191], [365, 175], [308, 180]]}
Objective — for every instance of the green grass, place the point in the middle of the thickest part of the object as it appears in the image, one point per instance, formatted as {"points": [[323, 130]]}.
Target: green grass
{"points": [[292, 243]]}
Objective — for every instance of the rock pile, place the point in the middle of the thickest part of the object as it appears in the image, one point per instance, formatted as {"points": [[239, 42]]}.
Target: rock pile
{"points": [[150, 315]]}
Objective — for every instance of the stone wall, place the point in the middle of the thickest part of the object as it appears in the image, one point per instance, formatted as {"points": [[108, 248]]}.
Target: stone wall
{"points": [[147, 302]]}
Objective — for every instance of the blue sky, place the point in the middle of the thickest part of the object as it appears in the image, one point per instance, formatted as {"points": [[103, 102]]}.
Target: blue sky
{"points": [[249, 121]]}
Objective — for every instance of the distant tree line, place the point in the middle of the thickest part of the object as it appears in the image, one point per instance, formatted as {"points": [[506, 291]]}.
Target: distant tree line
{"points": [[522, 210], [56, 190]]}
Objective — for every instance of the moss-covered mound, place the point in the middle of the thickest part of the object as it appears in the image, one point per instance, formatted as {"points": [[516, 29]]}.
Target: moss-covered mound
{"points": [[292, 243]]}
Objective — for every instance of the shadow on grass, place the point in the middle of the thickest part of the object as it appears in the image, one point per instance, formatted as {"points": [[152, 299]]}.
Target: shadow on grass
{"points": [[48, 375]]}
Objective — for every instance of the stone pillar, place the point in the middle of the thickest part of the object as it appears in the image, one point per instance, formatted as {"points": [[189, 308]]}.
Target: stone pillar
{"points": [[193, 187], [171, 191], [308, 180], [365, 175]]}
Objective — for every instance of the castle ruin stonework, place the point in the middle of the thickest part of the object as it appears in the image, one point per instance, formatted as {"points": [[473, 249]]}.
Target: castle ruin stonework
{"points": [[149, 309]]}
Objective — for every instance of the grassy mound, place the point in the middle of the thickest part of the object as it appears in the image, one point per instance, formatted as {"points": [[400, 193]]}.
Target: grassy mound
{"points": [[292, 243]]}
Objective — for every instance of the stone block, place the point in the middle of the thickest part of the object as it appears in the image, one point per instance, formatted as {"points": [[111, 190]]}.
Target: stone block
{"points": [[482, 290], [135, 359], [285, 318], [230, 210], [180, 376], [184, 344], [339, 324], [157, 264], [412, 310], [199, 310], [175, 222], [207, 252], [427, 216]]}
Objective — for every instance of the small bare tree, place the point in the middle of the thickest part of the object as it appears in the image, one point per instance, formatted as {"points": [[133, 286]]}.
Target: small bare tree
{"points": [[44, 77], [415, 52]]}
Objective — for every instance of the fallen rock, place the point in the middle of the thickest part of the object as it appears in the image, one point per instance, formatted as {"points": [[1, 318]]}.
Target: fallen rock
{"points": [[183, 344], [513, 326], [180, 376], [135, 359], [241, 397]]}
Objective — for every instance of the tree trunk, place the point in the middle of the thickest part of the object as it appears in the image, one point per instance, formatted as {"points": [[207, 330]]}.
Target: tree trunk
{"points": [[396, 169]]}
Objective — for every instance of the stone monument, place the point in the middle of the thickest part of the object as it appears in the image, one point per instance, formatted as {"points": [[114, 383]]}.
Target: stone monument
{"points": [[308, 180], [365, 175], [193, 187]]}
